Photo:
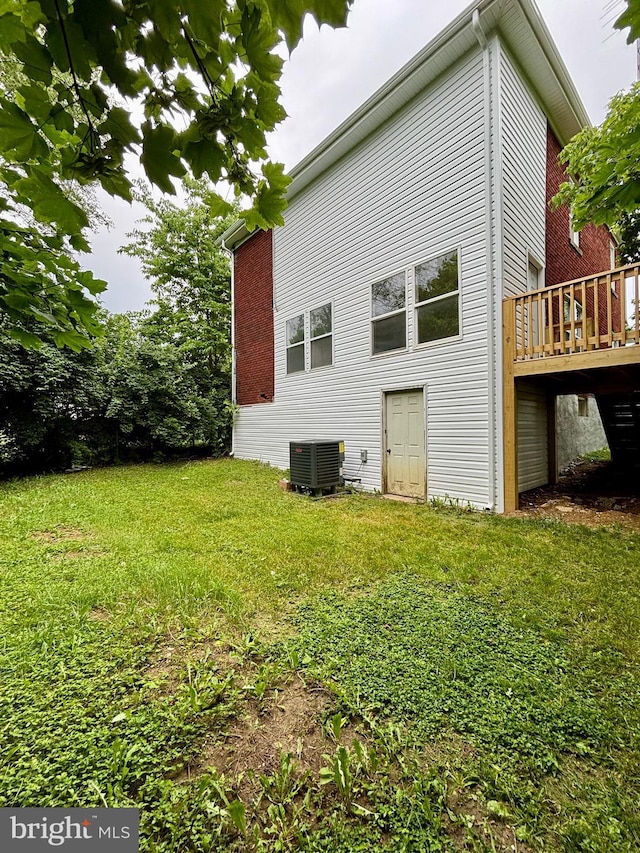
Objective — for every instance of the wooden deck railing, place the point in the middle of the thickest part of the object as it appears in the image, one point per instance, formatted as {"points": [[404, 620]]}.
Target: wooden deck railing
{"points": [[598, 312]]}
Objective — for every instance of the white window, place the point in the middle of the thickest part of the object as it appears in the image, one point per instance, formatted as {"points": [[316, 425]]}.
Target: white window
{"points": [[318, 342], [437, 295], [572, 309], [574, 235], [321, 335], [295, 344], [388, 313], [583, 406], [612, 255]]}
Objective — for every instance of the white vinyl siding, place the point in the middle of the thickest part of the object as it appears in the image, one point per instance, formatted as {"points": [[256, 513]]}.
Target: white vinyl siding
{"points": [[524, 165], [520, 150], [408, 193]]}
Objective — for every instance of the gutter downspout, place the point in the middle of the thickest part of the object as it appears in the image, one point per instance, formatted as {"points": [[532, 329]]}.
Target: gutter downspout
{"points": [[225, 248], [490, 237]]}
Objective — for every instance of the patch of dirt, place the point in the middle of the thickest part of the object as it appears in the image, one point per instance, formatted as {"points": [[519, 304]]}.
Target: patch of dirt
{"points": [[98, 614], [291, 723], [61, 533], [590, 493]]}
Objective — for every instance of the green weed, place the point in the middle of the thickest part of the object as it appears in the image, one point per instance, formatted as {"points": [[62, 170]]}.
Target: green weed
{"points": [[472, 659]]}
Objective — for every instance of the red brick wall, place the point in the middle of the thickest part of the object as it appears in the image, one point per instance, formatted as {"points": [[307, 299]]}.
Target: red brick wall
{"points": [[564, 261], [253, 319]]}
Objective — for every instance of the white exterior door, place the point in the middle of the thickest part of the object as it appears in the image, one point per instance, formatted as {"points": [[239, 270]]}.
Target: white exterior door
{"points": [[406, 472], [534, 320]]}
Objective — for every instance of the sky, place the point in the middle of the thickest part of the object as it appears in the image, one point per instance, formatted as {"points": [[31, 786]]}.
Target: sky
{"points": [[332, 72]]}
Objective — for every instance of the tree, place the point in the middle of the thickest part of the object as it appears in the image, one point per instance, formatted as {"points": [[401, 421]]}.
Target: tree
{"points": [[190, 278], [129, 396], [153, 402], [46, 398], [604, 161], [189, 275], [629, 236], [208, 67]]}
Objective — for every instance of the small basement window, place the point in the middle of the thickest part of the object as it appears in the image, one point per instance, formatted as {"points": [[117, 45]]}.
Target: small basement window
{"points": [[583, 407]]}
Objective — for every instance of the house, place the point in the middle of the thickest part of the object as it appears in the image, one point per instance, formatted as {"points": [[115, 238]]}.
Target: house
{"points": [[422, 302]]}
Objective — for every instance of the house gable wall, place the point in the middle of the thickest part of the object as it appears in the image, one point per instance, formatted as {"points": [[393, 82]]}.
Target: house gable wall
{"points": [[253, 319], [413, 190]]}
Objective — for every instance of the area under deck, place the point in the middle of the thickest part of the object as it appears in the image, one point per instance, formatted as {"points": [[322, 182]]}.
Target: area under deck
{"points": [[578, 337]]}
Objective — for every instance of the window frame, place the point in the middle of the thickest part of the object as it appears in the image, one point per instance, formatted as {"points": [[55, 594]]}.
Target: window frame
{"points": [[297, 344], [416, 305], [574, 235], [372, 320], [313, 338], [308, 339]]}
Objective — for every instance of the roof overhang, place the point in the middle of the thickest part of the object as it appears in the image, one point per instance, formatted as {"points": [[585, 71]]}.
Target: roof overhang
{"points": [[521, 28], [234, 236]]}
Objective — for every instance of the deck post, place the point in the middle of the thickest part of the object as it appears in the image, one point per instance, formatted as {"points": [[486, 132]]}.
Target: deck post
{"points": [[552, 438], [510, 445]]}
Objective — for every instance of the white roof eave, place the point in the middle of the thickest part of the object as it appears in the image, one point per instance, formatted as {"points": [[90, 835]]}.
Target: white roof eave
{"points": [[513, 19], [521, 27]]}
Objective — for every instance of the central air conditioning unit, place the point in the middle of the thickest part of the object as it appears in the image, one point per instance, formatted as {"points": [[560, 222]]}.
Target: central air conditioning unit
{"points": [[316, 465]]}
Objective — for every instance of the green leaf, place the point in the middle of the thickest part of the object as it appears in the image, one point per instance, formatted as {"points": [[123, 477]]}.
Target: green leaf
{"points": [[93, 285], [18, 134], [35, 58], [31, 14], [35, 101], [217, 205], [205, 19], [205, 155], [12, 29], [49, 202], [62, 119], [258, 40], [79, 243], [270, 201], [289, 15], [630, 18], [236, 812], [118, 125], [27, 339], [158, 156]]}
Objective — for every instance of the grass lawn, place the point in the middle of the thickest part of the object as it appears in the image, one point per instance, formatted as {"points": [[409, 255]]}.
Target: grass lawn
{"points": [[257, 671]]}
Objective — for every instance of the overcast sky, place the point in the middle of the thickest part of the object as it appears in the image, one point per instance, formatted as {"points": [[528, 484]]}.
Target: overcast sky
{"points": [[332, 72]]}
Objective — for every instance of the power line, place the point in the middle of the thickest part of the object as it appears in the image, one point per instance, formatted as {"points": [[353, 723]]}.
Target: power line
{"points": [[610, 14]]}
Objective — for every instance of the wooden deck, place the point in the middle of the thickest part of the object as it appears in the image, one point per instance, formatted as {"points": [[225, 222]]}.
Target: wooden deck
{"points": [[579, 328]]}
